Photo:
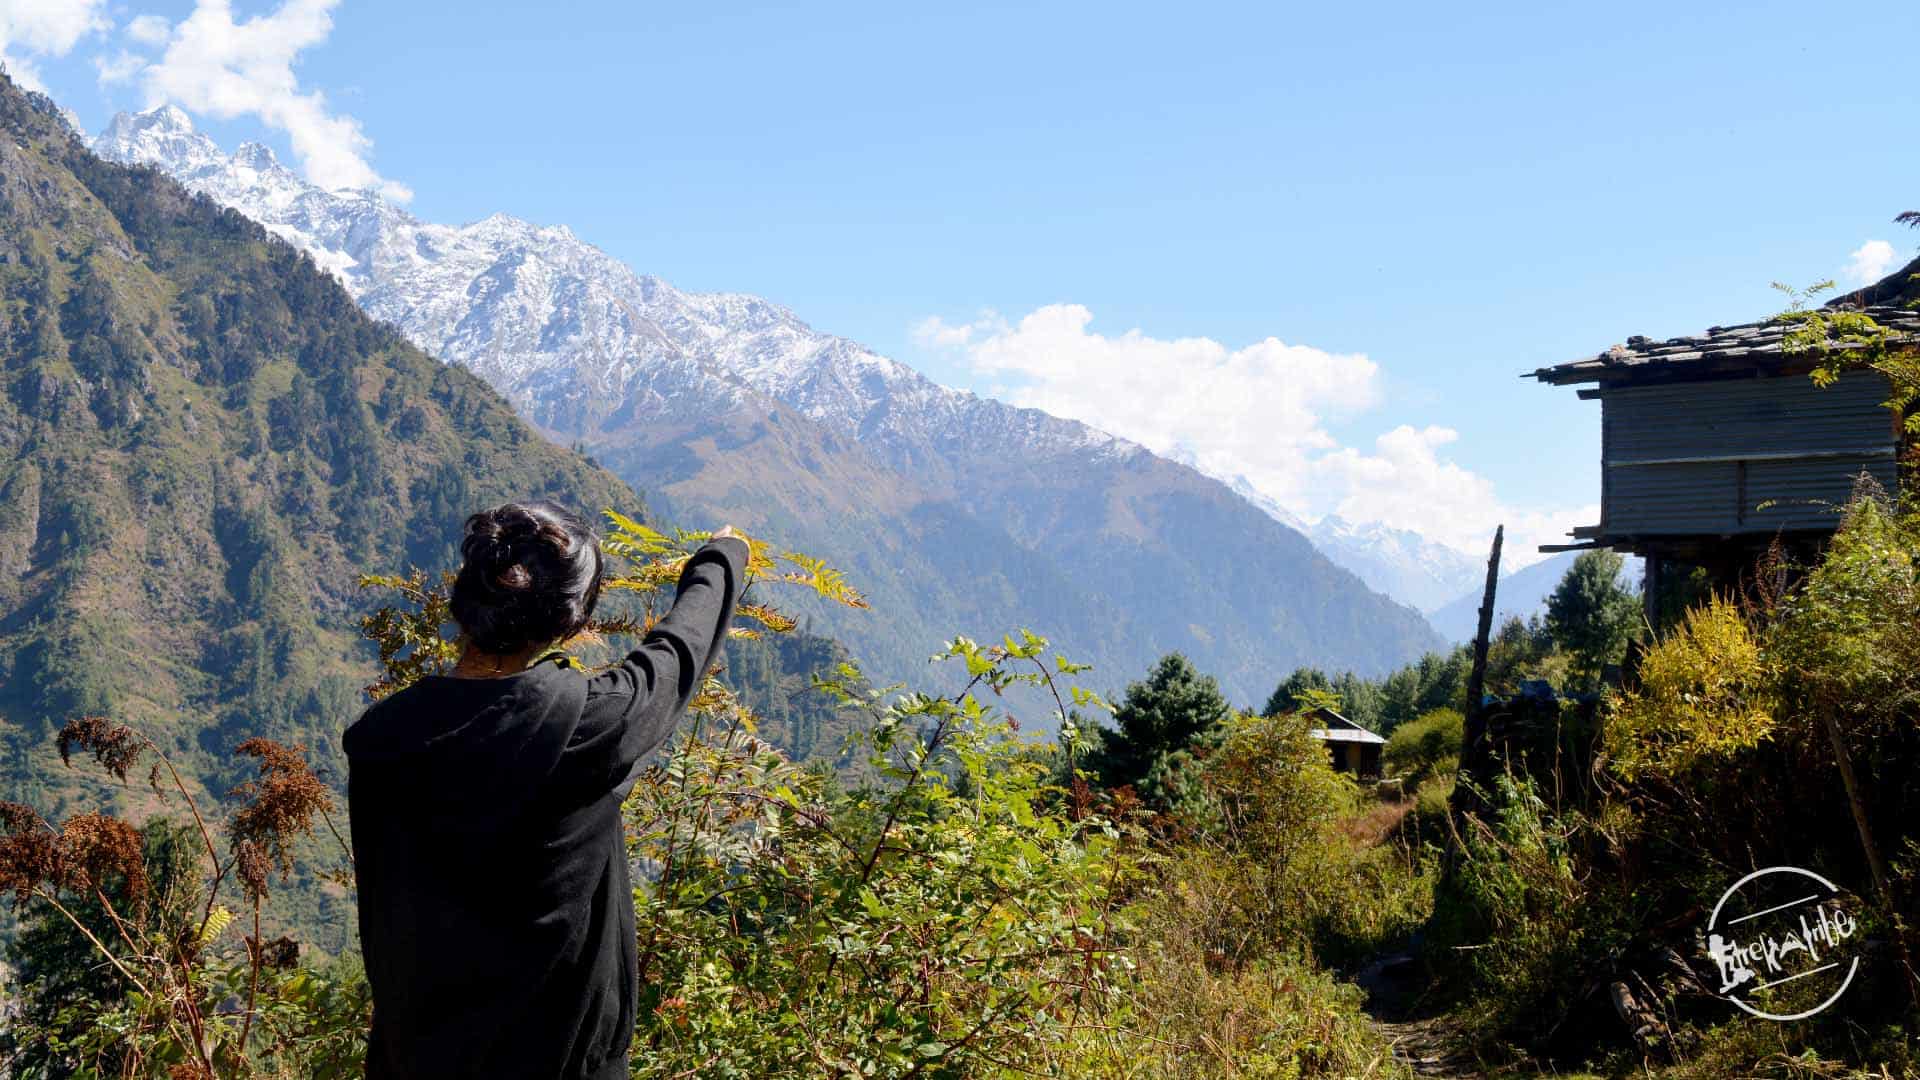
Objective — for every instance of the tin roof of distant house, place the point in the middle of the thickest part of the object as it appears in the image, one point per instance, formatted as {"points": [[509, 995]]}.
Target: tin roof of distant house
{"points": [[1339, 728], [1746, 348], [1343, 735]]}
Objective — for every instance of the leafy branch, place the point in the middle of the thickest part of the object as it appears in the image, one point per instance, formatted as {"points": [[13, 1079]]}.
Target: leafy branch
{"points": [[648, 563], [185, 1004]]}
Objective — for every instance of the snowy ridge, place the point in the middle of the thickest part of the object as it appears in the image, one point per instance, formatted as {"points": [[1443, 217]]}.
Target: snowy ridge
{"points": [[572, 334], [954, 510], [1401, 563], [1424, 574]]}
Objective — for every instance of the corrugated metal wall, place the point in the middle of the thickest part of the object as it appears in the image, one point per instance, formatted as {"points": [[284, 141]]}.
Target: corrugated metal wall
{"points": [[1703, 457]]}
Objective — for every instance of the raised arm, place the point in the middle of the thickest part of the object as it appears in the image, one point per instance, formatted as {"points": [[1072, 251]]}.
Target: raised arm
{"points": [[632, 707]]}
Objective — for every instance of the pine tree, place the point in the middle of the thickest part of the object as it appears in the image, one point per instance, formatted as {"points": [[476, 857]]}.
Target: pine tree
{"points": [[1591, 616], [1158, 720], [1286, 697]]}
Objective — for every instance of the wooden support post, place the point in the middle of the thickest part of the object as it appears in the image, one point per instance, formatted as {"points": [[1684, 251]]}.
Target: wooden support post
{"points": [[1877, 866], [1650, 594], [1477, 680], [1475, 755]]}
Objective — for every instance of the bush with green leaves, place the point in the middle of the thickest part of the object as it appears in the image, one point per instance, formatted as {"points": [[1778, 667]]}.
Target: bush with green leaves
{"points": [[1267, 866], [1233, 914], [1509, 925], [951, 917], [1426, 746]]}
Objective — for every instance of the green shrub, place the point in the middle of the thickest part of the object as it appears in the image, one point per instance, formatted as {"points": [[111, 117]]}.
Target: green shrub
{"points": [[1276, 873], [1509, 923], [951, 918], [1417, 748], [1277, 859], [1706, 691]]}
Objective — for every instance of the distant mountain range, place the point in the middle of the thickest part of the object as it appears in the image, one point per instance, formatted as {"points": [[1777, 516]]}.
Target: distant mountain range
{"points": [[956, 513], [1522, 592], [1402, 564], [1414, 570], [1443, 582]]}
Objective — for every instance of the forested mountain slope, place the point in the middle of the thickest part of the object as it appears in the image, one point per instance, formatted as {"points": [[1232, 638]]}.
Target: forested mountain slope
{"points": [[203, 441]]}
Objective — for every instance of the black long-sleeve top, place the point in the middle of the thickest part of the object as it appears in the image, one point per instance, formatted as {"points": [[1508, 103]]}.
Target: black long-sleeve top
{"points": [[496, 907]]}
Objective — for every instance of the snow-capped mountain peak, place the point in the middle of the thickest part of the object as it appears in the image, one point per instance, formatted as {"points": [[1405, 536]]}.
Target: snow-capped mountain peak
{"points": [[163, 137], [544, 315], [157, 122], [729, 404], [1405, 565], [256, 156], [1421, 573]]}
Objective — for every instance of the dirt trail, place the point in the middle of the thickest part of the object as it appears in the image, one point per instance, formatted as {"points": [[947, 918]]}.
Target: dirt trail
{"points": [[1423, 1043], [1425, 1047]]}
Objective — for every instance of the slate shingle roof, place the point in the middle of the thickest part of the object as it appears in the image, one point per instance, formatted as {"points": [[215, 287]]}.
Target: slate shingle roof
{"points": [[1746, 347]]}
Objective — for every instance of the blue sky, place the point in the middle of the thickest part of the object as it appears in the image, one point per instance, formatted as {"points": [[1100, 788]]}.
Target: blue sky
{"points": [[998, 194]]}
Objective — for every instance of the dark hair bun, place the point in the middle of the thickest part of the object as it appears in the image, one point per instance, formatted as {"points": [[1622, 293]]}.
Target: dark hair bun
{"points": [[500, 540], [531, 575]]}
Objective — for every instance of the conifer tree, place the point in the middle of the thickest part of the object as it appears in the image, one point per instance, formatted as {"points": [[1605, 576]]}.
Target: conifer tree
{"points": [[1591, 616], [1159, 718]]}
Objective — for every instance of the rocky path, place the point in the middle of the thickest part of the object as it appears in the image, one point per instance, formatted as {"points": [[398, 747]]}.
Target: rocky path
{"points": [[1423, 1043], [1425, 1047]]}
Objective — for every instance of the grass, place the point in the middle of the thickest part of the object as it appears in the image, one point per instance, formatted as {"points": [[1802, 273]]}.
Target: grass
{"points": [[1277, 1019]]}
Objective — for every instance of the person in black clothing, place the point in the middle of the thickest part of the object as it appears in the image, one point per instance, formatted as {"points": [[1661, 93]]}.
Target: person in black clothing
{"points": [[496, 907]]}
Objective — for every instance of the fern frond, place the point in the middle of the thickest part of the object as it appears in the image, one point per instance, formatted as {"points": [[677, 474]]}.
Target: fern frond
{"points": [[217, 921]]}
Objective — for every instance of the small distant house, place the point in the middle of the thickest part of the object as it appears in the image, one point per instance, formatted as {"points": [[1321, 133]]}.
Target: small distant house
{"points": [[1355, 749], [1715, 444]]}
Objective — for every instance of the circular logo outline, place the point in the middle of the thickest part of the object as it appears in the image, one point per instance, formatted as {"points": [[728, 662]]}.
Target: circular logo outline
{"points": [[1714, 920]]}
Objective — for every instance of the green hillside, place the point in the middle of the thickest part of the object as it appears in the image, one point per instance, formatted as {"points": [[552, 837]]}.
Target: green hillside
{"points": [[203, 441]]}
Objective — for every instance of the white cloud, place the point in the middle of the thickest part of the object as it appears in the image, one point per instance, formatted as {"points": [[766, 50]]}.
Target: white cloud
{"points": [[213, 64], [151, 30], [119, 68], [1405, 482], [1255, 410], [45, 28], [1871, 261], [936, 333], [1260, 412]]}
